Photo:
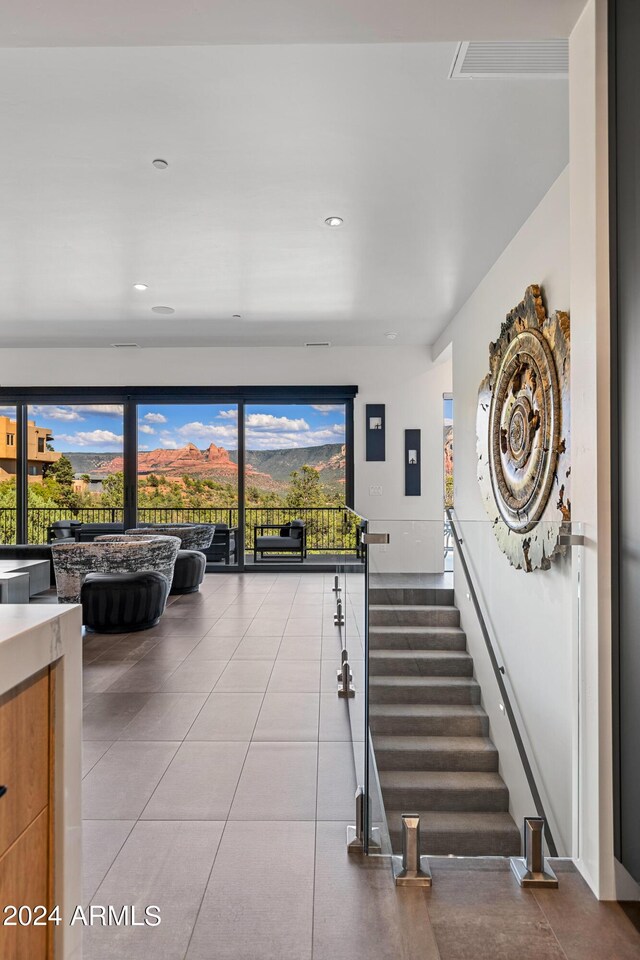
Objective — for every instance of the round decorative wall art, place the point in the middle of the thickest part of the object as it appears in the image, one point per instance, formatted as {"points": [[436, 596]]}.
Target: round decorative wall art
{"points": [[523, 433]]}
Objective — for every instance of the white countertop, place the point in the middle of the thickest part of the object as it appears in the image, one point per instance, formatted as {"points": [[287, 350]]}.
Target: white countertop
{"points": [[33, 636]]}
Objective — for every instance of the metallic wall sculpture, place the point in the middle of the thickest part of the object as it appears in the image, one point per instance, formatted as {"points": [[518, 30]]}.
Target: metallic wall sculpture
{"points": [[523, 433]]}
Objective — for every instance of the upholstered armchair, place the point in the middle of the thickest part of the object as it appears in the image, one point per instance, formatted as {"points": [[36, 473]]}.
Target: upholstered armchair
{"points": [[72, 562], [192, 536], [191, 562]]}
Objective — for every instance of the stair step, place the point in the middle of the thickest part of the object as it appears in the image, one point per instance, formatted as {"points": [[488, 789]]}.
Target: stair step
{"points": [[476, 754], [416, 638], [425, 663], [466, 834], [414, 615], [428, 720], [423, 690], [411, 790], [437, 596]]}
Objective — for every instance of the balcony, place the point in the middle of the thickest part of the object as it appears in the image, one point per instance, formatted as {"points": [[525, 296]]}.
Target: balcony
{"points": [[332, 532]]}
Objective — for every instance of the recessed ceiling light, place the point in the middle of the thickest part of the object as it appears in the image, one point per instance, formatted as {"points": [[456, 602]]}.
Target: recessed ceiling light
{"points": [[334, 221], [140, 286], [166, 310], [391, 336], [160, 164]]}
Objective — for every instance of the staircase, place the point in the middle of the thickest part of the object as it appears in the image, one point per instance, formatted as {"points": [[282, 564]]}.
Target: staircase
{"points": [[430, 733]]}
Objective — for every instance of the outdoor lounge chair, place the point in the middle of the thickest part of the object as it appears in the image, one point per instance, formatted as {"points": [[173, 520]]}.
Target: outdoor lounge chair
{"points": [[291, 540]]}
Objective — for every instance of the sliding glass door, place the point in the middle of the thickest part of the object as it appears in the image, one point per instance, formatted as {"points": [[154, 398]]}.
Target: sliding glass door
{"points": [[187, 468], [74, 466], [296, 469]]}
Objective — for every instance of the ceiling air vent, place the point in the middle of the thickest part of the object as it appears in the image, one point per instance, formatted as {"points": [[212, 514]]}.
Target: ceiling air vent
{"points": [[511, 59], [126, 345], [318, 343]]}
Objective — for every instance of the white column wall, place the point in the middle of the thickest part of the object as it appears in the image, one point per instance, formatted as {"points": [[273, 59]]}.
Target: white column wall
{"points": [[591, 388]]}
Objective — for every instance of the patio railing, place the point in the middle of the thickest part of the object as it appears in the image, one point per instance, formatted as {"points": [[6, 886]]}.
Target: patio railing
{"points": [[329, 529]]}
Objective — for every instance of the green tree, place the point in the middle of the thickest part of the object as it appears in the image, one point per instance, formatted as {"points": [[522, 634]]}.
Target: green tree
{"points": [[305, 489], [112, 490], [60, 470]]}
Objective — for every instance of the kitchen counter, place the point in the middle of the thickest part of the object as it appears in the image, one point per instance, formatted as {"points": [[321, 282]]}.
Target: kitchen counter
{"points": [[40, 641]]}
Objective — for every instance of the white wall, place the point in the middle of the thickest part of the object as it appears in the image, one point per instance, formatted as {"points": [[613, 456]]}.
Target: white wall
{"points": [[591, 388], [530, 612], [403, 378]]}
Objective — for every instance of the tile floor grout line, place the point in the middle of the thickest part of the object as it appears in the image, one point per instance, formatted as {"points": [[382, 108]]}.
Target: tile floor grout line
{"points": [[115, 857], [315, 830], [226, 823], [551, 927]]}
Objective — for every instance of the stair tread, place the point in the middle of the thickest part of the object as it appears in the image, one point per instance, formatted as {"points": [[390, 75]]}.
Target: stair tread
{"points": [[414, 628], [396, 654], [426, 710], [446, 780], [420, 681], [413, 606], [450, 744], [462, 821]]}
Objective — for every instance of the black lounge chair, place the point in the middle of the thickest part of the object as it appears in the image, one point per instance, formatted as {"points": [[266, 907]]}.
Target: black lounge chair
{"points": [[291, 540]]}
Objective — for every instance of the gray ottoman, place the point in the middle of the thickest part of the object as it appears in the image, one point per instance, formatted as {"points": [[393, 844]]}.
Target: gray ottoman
{"points": [[188, 572], [123, 602]]}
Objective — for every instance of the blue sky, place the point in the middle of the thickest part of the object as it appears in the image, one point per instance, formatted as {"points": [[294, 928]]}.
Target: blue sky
{"points": [[98, 428]]}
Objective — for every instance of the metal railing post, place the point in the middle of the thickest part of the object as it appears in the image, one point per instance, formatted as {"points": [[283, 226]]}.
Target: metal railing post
{"points": [[346, 689], [344, 658], [355, 834], [411, 869], [532, 870], [338, 619]]}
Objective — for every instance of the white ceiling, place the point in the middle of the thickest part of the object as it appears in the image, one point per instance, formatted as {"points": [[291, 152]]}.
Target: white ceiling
{"points": [[165, 22], [432, 177]]}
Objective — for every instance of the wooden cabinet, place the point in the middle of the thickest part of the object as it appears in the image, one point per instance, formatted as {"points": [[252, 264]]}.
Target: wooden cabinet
{"points": [[26, 813]]}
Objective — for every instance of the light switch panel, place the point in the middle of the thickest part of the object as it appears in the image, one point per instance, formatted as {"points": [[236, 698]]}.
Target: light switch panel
{"points": [[375, 490]]}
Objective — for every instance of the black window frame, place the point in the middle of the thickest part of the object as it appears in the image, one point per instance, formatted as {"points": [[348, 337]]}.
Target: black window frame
{"points": [[131, 396]]}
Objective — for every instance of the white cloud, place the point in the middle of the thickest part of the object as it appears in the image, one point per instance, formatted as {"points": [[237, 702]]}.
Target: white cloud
{"points": [[327, 407], [54, 413], [229, 414], [155, 418], [91, 438], [274, 440], [145, 428], [8, 412], [266, 421], [211, 432], [109, 409]]}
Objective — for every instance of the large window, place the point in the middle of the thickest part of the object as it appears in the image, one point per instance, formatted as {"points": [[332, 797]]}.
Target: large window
{"points": [[188, 463], [238, 456], [296, 468], [74, 465], [8, 469]]}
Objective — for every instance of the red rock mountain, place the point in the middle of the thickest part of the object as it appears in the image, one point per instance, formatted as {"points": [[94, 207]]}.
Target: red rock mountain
{"points": [[213, 463]]}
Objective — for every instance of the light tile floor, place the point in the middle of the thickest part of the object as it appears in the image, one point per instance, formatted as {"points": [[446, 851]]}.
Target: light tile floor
{"points": [[218, 782]]}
